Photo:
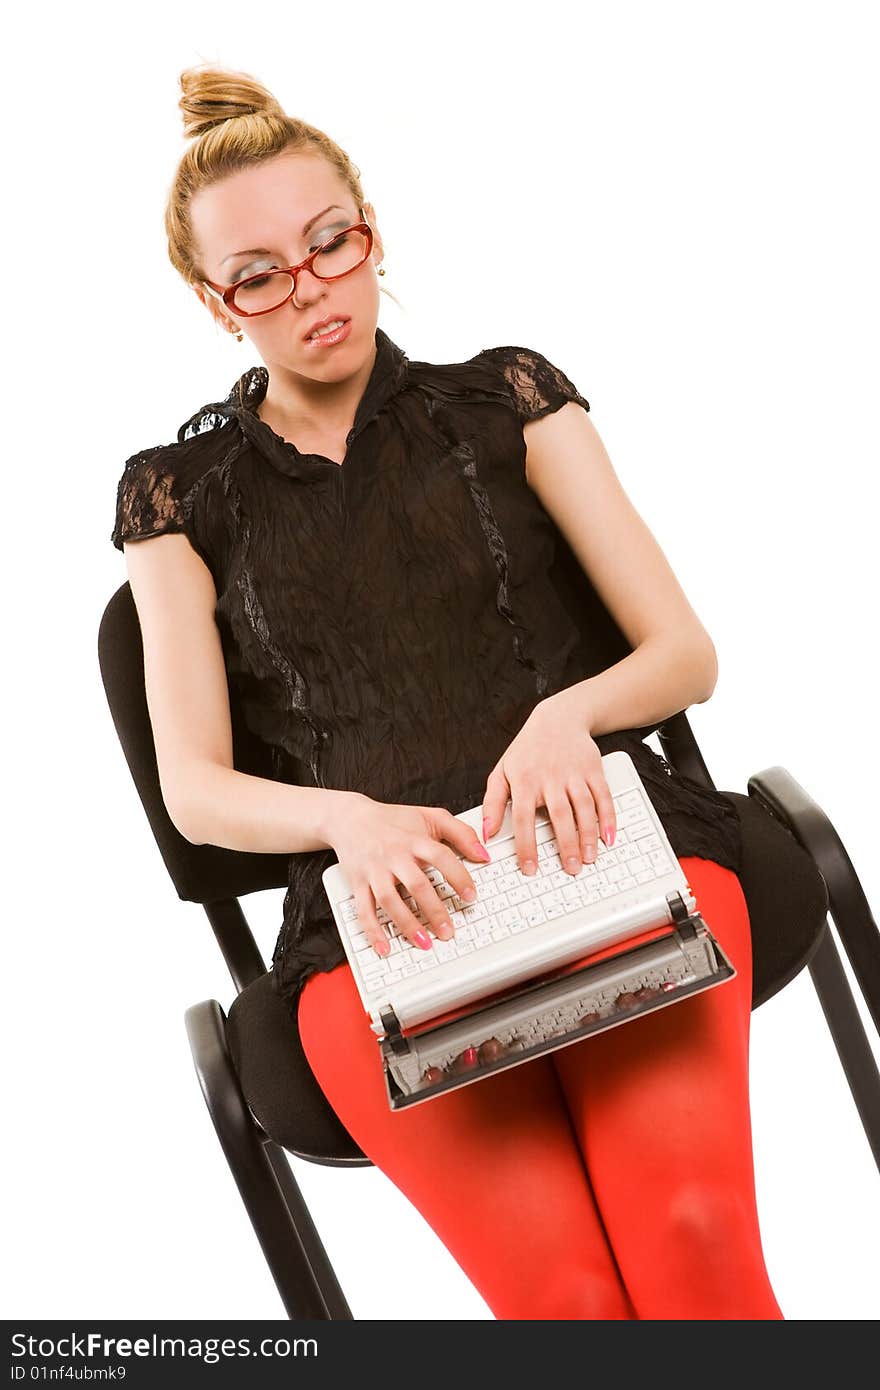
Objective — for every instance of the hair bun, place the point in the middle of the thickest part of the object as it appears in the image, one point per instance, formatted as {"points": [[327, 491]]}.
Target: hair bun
{"points": [[212, 95]]}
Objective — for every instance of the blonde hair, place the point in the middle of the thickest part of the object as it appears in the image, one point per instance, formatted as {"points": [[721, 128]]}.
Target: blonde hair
{"points": [[235, 123]]}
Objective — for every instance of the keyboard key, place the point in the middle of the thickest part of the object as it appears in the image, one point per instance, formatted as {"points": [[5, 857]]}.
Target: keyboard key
{"points": [[519, 895], [624, 800], [474, 912], [660, 859], [639, 831], [618, 872], [627, 852], [496, 903]]}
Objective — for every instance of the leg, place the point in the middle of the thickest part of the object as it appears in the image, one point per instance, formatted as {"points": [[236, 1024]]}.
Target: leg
{"points": [[661, 1109], [493, 1167]]}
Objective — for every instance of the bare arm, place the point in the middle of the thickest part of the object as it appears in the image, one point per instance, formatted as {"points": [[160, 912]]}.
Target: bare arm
{"points": [[207, 800], [236, 811], [673, 663]]}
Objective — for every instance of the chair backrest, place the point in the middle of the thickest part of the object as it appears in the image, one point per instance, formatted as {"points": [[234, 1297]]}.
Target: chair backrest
{"points": [[200, 873]]}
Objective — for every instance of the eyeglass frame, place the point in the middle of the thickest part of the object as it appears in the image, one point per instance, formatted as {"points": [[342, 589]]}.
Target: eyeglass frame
{"points": [[227, 294]]}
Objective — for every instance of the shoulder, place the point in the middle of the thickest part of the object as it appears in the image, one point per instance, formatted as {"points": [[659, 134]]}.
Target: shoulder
{"points": [[176, 465], [473, 381], [521, 379], [158, 487], [536, 386], [203, 439]]}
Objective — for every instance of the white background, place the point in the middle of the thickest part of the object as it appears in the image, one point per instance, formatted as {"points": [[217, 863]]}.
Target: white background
{"points": [[678, 205]]}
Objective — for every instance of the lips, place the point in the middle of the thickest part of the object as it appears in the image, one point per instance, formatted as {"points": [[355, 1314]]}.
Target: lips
{"points": [[322, 323]]}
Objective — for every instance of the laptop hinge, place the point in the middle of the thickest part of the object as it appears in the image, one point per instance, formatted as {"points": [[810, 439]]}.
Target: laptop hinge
{"points": [[391, 1024], [680, 915]]}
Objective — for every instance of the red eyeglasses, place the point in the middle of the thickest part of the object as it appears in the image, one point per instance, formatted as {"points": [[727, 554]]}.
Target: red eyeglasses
{"points": [[269, 289]]}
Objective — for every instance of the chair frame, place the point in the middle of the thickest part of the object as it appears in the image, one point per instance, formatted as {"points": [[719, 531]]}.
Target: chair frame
{"points": [[293, 1249], [294, 1252]]}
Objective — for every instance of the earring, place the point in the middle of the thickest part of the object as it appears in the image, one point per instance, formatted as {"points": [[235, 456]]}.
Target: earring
{"points": [[380, 271], [236, 331]]}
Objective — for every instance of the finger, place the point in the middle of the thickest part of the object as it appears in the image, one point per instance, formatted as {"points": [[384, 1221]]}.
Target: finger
{"points": [[444, 863], [581, 799], [605, 812], [426, 900], [495, 800], [459, 834], [565, 829], [368, 921], [523, 818], [405, 921], [455, 873]]}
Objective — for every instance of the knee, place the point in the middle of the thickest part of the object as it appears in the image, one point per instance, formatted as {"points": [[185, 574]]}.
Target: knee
{"points": [[709, 1221], [709, 1263], [577, 1294]]}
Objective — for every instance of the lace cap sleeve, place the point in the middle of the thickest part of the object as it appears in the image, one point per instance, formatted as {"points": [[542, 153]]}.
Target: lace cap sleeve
{"points": [[164, 489], [146, 499], [536, 386]]}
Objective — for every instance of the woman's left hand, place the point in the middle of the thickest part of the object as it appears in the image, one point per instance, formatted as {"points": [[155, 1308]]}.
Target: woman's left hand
{"points": [[552, 762]]}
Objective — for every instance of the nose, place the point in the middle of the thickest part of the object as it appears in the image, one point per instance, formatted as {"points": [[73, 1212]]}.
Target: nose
{"points": [[305, 287]]}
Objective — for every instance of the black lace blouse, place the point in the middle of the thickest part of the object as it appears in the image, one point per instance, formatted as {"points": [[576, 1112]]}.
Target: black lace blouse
{"points": [[389, 623]]}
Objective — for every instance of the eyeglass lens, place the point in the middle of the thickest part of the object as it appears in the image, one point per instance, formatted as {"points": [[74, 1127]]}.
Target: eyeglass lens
{"points": [[344, 253]]}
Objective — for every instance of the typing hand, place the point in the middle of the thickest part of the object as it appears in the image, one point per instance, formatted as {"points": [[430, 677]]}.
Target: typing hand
{"points": [[384, 847], [552, 762]]}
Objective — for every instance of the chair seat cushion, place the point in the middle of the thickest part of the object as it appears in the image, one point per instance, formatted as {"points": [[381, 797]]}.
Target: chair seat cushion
{"points": [[277, 1081], [785, 894], [787, 901]]}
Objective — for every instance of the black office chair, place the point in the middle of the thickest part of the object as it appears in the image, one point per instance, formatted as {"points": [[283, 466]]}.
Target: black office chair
{"points": [[256, 1080]]}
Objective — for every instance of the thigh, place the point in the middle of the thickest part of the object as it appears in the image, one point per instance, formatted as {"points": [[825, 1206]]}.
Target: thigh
{"points": [[661, 1109], [493, 1167], [692, 1055]]}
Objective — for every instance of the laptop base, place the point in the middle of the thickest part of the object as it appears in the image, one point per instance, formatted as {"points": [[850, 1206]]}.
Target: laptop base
{"points": [[554, 1010]]}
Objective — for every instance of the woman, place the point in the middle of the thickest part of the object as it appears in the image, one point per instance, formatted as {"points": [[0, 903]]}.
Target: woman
{"points": [[363, 546]]}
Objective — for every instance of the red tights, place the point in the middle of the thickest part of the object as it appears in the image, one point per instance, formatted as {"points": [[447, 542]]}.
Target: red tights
{"points": [[611, 1179]]}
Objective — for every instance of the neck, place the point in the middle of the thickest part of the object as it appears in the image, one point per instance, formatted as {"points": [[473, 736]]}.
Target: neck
{"points": [[306, 406]]}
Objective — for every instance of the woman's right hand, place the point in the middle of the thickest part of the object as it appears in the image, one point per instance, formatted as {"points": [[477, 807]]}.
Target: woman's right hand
{"points": [[381, 845]]}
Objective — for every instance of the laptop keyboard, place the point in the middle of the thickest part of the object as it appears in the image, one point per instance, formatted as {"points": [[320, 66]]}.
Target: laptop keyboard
{"points": [[509, 901]]}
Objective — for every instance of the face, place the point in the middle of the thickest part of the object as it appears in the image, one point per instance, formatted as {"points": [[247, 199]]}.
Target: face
{"points": [[268, 206]]}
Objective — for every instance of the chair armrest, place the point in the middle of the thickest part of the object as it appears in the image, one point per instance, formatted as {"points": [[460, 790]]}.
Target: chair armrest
{"points": [[785, 799], [681, 752]]}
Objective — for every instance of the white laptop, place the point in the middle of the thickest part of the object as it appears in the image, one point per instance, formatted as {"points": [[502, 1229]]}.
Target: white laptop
{"points": [[537, 962]]}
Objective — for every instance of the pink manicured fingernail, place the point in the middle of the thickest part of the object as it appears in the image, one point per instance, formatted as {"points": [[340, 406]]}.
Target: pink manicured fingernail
{"points": [[608, 835], [486, 823], [423, 940]]}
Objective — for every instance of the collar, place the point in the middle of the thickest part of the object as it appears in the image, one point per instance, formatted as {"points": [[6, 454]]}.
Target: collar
{"points": [[387, 379]]}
